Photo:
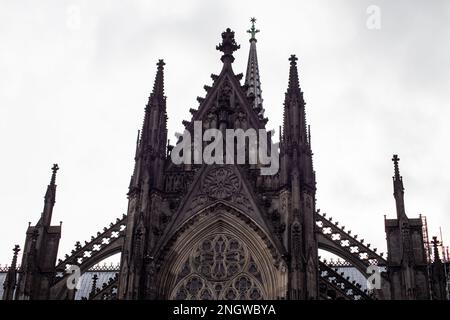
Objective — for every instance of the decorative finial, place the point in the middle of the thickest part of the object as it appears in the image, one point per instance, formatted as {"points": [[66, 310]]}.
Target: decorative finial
{"points": [[293, 85], [14, 260], [161, 64], [253, 31], [396, 159], [94, 286], [293, 59], [16, 249], [55, 169], [228, 46], [435, 244], [157, 94]]}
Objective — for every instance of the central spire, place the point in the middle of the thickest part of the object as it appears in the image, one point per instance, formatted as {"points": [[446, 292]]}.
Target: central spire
{"points": [[252, 79]]}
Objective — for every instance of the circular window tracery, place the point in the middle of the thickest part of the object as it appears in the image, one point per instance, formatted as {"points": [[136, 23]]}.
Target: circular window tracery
{"points": [[219, 267], [221, 183]]}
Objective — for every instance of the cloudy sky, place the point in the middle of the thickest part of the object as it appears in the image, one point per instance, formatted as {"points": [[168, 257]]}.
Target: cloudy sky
{"points": [[75, 77]]}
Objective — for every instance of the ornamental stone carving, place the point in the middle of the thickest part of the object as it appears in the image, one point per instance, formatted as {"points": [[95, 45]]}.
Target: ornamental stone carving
{"points": [[221, 183], [220, 267]]}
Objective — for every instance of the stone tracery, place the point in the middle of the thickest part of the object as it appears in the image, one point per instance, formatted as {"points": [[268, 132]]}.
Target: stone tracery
{"points": [[219, 267]]}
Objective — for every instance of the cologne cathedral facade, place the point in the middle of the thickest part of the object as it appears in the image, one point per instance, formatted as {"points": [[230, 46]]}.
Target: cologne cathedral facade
{"points": [[198, 231]]}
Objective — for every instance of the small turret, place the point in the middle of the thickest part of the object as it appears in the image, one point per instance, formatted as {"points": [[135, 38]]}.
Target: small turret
{"points": [[11, 277]]}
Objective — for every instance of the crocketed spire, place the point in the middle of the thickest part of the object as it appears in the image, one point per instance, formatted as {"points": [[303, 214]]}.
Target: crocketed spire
{"points": [[293, 86], [50, 196], [252, 79], [156, 108]]}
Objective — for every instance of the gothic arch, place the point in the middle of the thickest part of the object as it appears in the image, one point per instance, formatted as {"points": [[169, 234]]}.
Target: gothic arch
{"points": [[208, 254]]}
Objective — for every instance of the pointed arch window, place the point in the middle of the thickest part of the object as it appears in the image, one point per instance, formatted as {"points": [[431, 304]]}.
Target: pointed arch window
{"points": [[219, 267]]}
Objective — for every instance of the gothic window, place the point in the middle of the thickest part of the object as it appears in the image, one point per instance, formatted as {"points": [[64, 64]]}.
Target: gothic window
{"points": [[219, 267]]}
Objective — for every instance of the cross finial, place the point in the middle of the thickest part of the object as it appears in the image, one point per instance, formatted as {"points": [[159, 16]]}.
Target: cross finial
{"points": [[293, 59], [16, 249], [253, 31], [435, 242], [161, 64], [55, 168], [14, 259]]}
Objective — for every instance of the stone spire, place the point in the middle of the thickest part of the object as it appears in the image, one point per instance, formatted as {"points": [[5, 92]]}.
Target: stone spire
{"points": [[50, 196], [252, 79], [11, 277], [158, 86], [147, 182], [438, 274], [294, 85], [294, 115], [399, 190], [40, 251], [153, 137], [397, 176]]}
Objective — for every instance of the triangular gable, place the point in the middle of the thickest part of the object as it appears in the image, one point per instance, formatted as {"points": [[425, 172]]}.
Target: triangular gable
{"points": [[227, 83], [214, 184]]}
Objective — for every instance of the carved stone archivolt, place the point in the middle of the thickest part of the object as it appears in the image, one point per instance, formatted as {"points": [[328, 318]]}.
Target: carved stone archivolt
{"points": [[221, 254]]}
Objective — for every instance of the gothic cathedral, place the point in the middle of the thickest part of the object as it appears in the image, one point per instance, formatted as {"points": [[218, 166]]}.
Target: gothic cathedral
{"points": [[224, 231]]}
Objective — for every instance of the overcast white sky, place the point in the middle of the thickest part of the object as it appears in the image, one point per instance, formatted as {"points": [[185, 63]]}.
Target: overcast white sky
{"points": [[75, 77]]}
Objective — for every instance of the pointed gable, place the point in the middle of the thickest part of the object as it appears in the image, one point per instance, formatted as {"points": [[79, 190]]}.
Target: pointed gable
{"points": [[226, 100], [221, 185]]}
